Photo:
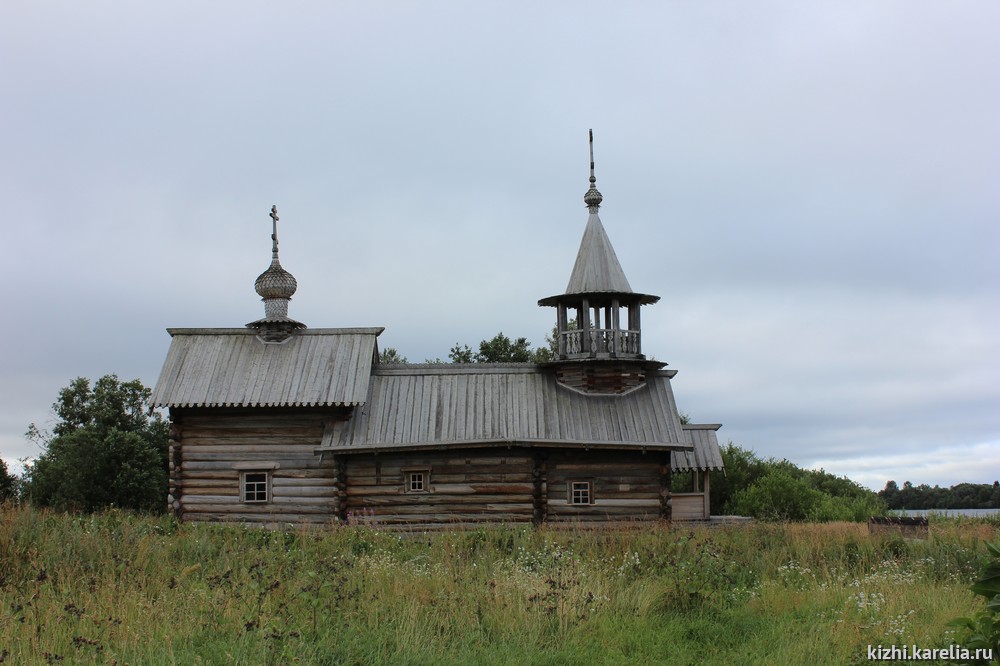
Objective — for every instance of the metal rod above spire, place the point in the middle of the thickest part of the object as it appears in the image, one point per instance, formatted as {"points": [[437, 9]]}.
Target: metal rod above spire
{"points": [[593, 179], [592, 198]]}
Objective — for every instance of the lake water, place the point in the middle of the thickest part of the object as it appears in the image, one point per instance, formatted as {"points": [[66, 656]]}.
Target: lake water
{"points": [[946, 512]]}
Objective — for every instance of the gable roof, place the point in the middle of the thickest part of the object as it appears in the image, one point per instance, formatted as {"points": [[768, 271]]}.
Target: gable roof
{"points": [[232, 367], [520, 404]]}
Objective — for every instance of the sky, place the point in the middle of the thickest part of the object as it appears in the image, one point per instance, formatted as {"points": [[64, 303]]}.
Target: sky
{"points": [[810, 187]]}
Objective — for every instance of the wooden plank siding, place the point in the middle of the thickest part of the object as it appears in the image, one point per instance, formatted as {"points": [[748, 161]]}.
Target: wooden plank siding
{"points": [[689, 506], [213, 447]]}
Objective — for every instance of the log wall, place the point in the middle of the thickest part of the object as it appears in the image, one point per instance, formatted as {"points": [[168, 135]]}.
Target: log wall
{"points": [[627, 485], [465, 486], [213, 447]]}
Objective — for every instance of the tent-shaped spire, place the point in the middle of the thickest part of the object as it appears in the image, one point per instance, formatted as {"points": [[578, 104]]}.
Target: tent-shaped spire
{"points": [[597, 268]]}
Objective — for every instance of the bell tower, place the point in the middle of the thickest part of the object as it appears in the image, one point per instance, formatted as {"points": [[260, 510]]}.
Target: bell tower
{"points": [[598, 324]]}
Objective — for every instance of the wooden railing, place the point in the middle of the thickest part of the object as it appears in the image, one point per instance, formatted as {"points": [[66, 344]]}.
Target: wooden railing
{"points": [[601, 341]]}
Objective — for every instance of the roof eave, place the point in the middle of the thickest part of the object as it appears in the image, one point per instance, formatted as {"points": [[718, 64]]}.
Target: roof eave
{"points": [[511, 443]]}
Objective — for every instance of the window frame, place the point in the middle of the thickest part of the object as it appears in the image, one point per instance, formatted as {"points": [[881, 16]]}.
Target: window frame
{"points": [[572, 487], [245, 483], [408, 478], [246, 468]]}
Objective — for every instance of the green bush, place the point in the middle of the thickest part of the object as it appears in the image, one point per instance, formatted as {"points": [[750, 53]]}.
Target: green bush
{"points": [[775, 489], [982, 631], [778, 496]]}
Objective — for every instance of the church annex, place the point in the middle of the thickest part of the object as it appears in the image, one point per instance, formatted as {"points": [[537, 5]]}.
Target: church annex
{"points": [[278, 423]]}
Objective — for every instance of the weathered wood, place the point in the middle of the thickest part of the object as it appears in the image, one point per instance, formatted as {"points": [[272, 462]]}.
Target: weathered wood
{"points": [[598, 505], [340, 477], [688, 506], [666, 502], [465, 485], [283, 519], [271, 509], [219, 443], [446, 489], [707, 493], [539, 487], [414, 499]]}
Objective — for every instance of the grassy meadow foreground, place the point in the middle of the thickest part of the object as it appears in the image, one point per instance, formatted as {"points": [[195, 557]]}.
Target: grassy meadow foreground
{"points": [[125, 589]]}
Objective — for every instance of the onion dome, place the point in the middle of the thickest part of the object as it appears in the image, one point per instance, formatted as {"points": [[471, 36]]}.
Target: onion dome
{"points": [[275, 282], [275, 287]]}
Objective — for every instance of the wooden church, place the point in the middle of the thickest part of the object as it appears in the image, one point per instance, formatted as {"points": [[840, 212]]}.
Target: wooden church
{"points": [[278, 423]]}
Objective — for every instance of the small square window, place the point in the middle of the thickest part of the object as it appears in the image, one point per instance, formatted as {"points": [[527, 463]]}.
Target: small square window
{"points": [[416, 480], [255, 487], [580, 492]]}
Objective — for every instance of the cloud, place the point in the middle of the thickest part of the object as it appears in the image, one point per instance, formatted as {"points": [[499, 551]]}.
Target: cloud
{"points": [[810, 189]]}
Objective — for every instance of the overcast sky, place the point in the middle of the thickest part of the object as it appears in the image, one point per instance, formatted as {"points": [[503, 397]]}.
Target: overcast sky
{"points": [[811, 188]]}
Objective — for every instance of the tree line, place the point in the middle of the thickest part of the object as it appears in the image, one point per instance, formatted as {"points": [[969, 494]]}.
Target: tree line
{"points": [[498, 349], [960, 496]]}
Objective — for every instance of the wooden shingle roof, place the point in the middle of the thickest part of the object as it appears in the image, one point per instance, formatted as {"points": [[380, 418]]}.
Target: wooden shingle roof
{"points": [[706, 454], [597, 268], [452, 405], [232, 367]]}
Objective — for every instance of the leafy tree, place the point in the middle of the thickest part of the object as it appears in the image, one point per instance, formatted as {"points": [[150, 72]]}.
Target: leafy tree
{"points": [[8, 483], [105, 451], [501, 349], [743, 468], [498, 349], [774, 489], [461, 354], [391, 355]]}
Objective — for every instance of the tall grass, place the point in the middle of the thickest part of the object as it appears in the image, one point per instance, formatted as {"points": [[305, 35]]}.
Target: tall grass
{"points": [[121, 588]]}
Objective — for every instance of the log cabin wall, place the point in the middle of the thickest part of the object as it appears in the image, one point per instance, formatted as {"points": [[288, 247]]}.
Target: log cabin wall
{"points": [[505, 485], [461, 486], [625, 486], [213, 448]]}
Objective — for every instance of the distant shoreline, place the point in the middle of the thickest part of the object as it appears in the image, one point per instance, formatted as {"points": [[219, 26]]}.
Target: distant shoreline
{"points": [[946, 512]]}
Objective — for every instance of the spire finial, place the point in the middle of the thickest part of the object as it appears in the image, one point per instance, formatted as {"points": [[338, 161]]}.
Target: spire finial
{"points": [[274, 233], [593, 179], [592, 198]]}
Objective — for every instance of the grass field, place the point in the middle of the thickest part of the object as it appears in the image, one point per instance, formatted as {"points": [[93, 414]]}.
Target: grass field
{"points": [[117, 588]]}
